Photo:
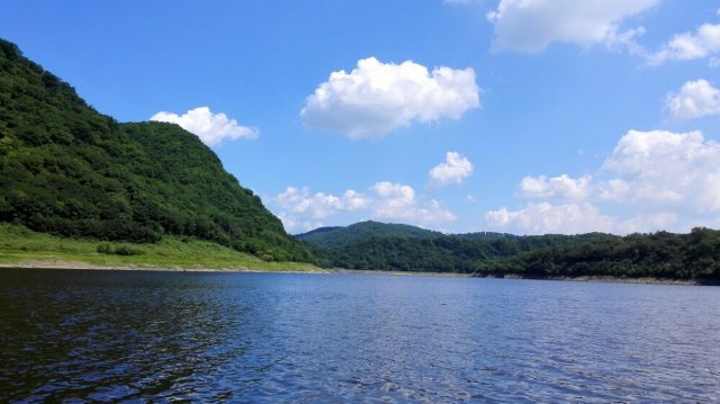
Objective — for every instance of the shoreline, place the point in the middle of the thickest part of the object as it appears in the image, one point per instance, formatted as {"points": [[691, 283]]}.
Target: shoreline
{"points": [[79, 265], [84, 266], [604, 279]]}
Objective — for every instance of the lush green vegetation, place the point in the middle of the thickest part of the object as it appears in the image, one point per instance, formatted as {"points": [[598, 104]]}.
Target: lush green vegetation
{"points": [[693, 256], [152, 194], [422, 250], [662, 255], [67, 170], [20, 246], [337, 236]]}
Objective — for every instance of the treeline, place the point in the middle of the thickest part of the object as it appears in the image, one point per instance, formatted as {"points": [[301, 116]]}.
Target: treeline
{"points": [[436, 252], [693, 256], [338, 236], [68, 170]]}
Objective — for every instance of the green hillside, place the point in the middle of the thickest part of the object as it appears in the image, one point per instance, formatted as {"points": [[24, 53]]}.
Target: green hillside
{"points": [[68, 170], [337, 236], [395, 247], [662, 255]]}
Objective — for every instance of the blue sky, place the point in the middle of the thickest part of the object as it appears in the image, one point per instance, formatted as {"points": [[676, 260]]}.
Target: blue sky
{"points": [[523, 116]]}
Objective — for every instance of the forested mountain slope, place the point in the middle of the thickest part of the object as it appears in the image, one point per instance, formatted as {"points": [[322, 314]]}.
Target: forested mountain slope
{"points": [[372, 245], [663, 255], [69, 170], [362, 231]]}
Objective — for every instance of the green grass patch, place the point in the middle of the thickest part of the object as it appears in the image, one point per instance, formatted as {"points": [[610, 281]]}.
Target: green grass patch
{"points": [[19, 245]]}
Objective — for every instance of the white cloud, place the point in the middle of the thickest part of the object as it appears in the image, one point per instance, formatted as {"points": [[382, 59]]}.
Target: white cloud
{"points": [[394, 200], [704, 42], [398, 201], [532, 25], [209, 127], [299, 209], [433, 213], [319, 205], [669, 168], [453, 171], [667, 179], [615, 190], [695, 99], [562, 187], [376, 98], [542, 218], [572, 218], [295, 225]]}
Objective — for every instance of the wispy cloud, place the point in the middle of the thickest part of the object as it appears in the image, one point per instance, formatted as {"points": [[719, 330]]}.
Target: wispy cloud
{"points": [[530, 26], [701, 44]]}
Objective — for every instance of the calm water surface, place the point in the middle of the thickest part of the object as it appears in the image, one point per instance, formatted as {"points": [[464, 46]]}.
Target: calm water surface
{"points": [[135, 336]]}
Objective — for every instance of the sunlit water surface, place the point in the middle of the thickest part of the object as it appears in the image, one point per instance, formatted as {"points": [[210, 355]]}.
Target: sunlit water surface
{"points": [[138, 336]]}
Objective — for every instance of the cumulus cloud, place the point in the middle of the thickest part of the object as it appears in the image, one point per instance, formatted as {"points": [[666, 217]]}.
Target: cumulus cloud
{"points": [[672, 178], [544, 218], [573, 218], [376, 98], [666, 167], [562, 187], [453, 171], [398, 201], [530, 26], [703, 43], [209, 127], [695, 99], [319, 205], [299, 209], [394, 200]]}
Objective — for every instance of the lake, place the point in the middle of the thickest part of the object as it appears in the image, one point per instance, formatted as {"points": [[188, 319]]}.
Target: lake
{"points": [[245, 337]]}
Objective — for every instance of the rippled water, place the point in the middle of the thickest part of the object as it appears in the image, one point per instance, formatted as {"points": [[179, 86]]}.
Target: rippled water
{"points": [[134, 336]]}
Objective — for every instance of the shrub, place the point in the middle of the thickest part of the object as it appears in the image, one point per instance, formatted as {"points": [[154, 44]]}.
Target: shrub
{"points": [[126, 250], [105, 248]]}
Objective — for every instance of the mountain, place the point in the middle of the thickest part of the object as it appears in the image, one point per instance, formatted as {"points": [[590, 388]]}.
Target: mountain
{"points": [[397, 247], [336, 236], [387, 247], [68, 170]]}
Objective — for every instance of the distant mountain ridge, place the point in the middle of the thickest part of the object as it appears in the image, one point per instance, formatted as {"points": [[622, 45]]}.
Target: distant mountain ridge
{"points": [[377, 246], [69, 170], [399, 247], [339, 235]]}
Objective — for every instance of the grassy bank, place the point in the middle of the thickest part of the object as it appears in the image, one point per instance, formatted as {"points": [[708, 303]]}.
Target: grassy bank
{"points": [[21, 247]]}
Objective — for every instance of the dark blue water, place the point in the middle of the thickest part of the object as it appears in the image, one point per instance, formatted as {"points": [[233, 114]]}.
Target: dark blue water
{"points": [[135, 336]]}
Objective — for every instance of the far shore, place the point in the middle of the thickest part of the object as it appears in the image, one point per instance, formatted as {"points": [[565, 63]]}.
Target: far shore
{"points": [[603, 279], [70, 265]]}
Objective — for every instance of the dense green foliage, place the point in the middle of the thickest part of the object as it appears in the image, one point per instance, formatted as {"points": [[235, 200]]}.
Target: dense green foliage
{"points": [[336, 236], [68, 170], [20, 247], [660, 255], [392, 247]]}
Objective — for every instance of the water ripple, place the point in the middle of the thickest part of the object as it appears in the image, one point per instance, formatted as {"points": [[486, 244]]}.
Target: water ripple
{"points": [[74, 336]]}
